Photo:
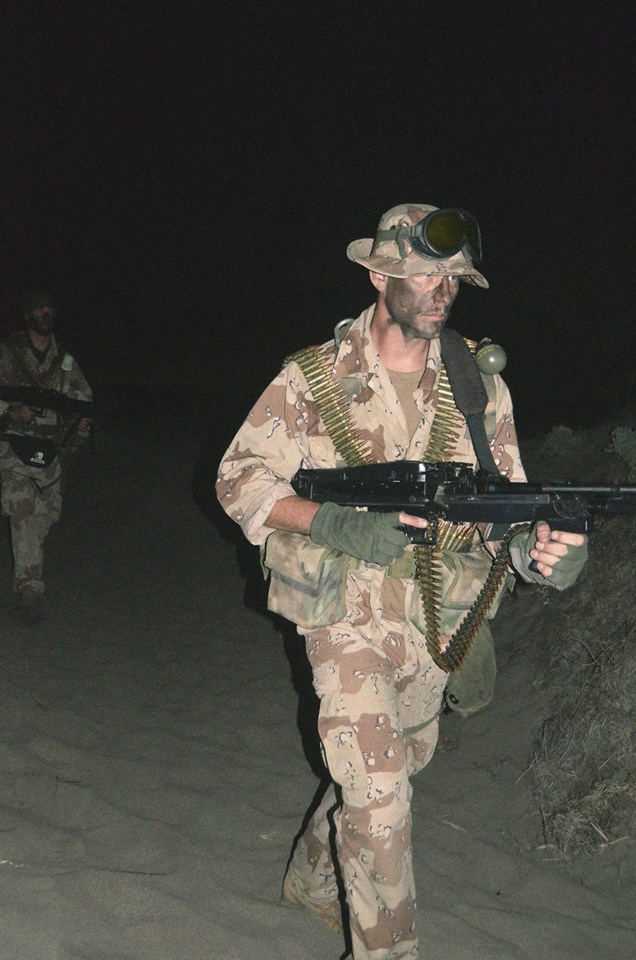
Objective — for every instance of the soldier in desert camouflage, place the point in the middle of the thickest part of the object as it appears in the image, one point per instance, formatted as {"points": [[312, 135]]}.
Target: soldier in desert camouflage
{"points": [[30, 442], [346, 577]]}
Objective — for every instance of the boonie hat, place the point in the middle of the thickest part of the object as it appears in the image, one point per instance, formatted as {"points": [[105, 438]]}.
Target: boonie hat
{"points": [[34, 299], [387, 257]]}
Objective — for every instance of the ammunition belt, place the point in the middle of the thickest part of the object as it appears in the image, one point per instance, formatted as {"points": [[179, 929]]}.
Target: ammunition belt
{"points": [[332, 404], [404, 568], [445, 431], [429, 577], [45, 380]]}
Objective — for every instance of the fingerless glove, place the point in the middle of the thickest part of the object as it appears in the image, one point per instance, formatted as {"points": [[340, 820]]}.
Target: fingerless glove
{"points": [[368, 536], [564, 574]]}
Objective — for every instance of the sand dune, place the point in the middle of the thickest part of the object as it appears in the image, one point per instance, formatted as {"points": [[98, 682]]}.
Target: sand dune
{"points": [[153, 774]]}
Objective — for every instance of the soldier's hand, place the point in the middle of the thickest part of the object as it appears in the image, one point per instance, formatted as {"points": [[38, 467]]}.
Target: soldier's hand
{"points": [[558, 555], [23, 413], [551, 557], [368, 536]]}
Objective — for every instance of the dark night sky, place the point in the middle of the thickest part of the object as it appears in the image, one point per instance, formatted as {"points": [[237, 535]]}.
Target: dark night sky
{"points": [[187, 176]]}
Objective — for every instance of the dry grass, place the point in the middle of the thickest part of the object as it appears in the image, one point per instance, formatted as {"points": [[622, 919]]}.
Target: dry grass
{"points": [[583, 767]]}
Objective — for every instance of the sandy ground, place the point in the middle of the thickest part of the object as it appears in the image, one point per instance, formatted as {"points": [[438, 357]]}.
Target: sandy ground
{"points": [[157, 755]]}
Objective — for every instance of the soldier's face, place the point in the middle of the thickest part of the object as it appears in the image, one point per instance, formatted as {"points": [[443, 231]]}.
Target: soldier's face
{"points": [[42, 320], [419, 305]]}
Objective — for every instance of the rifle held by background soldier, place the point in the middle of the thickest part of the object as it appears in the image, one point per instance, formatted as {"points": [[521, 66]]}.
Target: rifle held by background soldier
{"points": [[40, 398]]}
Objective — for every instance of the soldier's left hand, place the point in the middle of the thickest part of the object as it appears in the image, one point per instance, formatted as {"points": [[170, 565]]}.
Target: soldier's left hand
{"points": [[84, 425], [558, 555], [23, 412]]}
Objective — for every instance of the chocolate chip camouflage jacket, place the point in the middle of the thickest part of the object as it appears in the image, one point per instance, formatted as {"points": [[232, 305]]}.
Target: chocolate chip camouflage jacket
{"points": [[284, 432]]}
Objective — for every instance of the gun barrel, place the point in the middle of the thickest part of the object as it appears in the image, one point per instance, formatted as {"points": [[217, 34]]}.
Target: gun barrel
{"points": [[495, 484], [453, 491]]}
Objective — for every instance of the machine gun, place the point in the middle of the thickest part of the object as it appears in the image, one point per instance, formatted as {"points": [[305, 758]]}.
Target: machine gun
{"points": [[41, 398], [455, 492]]}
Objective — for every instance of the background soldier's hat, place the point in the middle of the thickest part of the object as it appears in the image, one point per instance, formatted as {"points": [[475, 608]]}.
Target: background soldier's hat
{"points": [[33, 299], [384, 256]]}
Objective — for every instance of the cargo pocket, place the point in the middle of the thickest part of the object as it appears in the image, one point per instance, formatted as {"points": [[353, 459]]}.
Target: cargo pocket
{"points": [[307, 582]]}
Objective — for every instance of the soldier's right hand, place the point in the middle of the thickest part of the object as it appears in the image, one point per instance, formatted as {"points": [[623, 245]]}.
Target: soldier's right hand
{"points": [[23, 413], [372, 537]]}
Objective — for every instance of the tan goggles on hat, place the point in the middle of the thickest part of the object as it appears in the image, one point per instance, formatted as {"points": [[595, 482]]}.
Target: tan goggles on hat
{"points": [[441, 234]]}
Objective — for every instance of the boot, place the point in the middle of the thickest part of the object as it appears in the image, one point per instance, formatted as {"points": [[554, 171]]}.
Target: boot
{"points": [[330, 913], [29, 606]]}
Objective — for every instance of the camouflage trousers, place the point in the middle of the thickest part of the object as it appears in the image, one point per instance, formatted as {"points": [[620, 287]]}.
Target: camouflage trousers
{"points": [[380, 698], [31, 498]]}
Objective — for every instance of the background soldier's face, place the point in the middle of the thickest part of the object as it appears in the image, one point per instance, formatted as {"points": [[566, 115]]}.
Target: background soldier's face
{"points": [[42, 320]]}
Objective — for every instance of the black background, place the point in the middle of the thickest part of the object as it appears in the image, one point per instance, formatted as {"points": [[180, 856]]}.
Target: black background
{"points": [[187, 177]]}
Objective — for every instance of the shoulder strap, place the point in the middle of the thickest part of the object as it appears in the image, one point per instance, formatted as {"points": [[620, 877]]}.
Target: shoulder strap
{"points": [[469, 393]]}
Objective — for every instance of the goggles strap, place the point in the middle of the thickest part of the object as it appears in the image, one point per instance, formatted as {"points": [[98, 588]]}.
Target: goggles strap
{"points": [[399, 235]]}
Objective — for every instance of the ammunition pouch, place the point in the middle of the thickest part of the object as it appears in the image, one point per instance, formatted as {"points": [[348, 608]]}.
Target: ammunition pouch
{"points": [[307, 582], [32, 451], [472, 687], [460, 577]]}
